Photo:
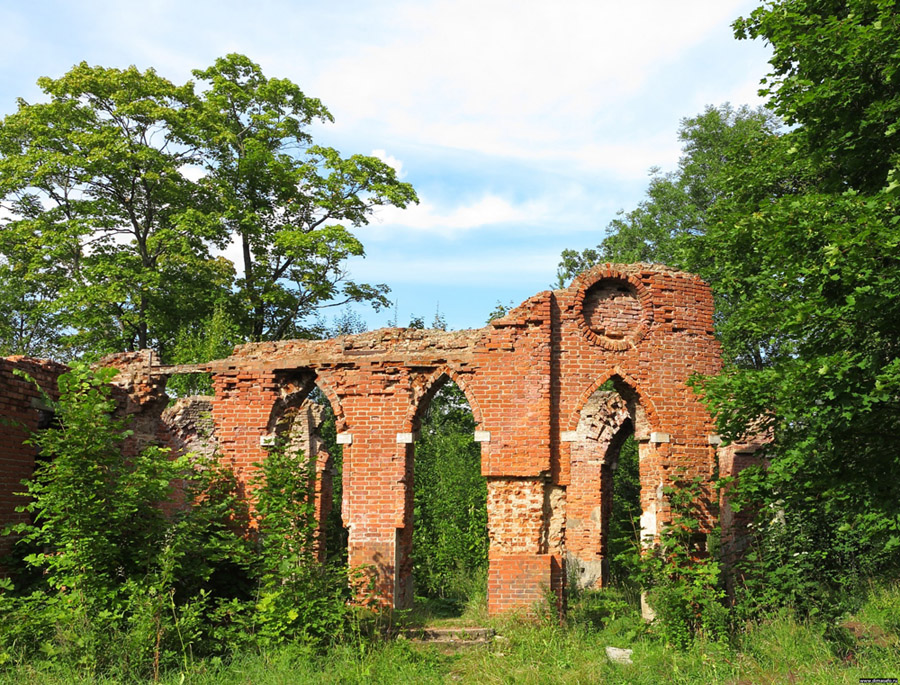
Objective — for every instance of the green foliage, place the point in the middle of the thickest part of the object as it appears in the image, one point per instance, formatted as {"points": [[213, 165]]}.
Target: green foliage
{"points": [[203, 341], [121, 583], [806, 252], [807, 558], [668, 225], [682, 580], [500, 310], [100, 211], [595, 610], [29, 321], [147, 562], [834, 75], [110, 240], [96, 516], [336, 534], [624, 524], [288, 202], [797, 231], [299, 598], [450, 508]]}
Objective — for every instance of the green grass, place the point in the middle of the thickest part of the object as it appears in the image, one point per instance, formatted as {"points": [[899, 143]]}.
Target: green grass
{"points": [[777, 649]]}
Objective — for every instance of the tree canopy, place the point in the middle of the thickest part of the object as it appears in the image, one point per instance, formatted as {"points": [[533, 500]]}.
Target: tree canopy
{"points": [[797, 230], [122, 193]]}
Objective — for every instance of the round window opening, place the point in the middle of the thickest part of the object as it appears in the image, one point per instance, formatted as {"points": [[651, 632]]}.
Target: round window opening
{"points": [[612, 310]]}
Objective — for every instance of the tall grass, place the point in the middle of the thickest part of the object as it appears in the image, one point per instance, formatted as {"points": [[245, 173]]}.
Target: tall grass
{"points": [[778, 648]]}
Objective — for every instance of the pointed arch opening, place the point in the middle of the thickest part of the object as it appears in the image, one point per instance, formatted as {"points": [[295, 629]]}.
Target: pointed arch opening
{"points": [[447, 503], [611, 500], [304, 421]]}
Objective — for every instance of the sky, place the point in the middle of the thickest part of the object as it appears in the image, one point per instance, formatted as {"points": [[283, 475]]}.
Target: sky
{"points": [[523, 126]]}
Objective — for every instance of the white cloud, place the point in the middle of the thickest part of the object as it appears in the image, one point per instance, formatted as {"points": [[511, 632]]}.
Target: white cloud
{"points": [[391, 161], [518, 79], [488, 210]]}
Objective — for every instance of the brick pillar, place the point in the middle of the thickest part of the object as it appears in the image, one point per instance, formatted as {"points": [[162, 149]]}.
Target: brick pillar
{"points": [[651, 490], [377, 487], [241, 411], [521, 567]]}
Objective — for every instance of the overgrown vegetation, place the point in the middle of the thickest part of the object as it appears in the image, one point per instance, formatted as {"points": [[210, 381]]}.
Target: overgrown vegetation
{"points": [[153, 567], [450, 542], [791, 214], [145, 563], [117, 192]]}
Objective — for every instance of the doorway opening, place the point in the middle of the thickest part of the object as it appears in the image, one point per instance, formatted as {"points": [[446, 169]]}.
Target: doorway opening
{"points": [[450, 539]]}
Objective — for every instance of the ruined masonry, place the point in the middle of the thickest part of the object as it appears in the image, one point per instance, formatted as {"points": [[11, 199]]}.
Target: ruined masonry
{"points": [[538, 383]]}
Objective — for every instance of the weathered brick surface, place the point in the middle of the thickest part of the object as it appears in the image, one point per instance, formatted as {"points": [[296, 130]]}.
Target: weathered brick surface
{"points": [[594, 449], [733, 459], [549, 439], [190, 424], [531, 379], [22, 411]]}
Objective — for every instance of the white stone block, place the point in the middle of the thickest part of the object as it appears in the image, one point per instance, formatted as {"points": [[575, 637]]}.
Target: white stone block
{"points": [[658, 437], [266, 440], [405, 438], [344, 438], [619, 656], [714, 440], [482, 436], [569, 436]]}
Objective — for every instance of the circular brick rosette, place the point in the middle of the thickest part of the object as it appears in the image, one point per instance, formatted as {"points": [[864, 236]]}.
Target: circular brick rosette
{"points": [[613, 310]]}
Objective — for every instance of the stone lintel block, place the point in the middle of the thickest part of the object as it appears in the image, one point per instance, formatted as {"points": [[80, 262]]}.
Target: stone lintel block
{"points": [[344, 438], [568, 436], [714, 440], [267, 440], [482, 436], [658, 437], [406, 438]]}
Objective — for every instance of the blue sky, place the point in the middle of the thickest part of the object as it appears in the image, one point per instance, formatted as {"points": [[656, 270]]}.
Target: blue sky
{"points": [[524, 126]]}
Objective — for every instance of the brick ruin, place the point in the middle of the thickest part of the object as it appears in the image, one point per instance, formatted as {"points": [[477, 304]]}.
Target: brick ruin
{"points": [[538, 384]]}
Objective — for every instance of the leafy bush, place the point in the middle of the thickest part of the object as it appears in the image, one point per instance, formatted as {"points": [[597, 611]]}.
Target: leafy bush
{"points": [[805, 557], [682, 579], [299, 598], [112, 566], [143, 563]]}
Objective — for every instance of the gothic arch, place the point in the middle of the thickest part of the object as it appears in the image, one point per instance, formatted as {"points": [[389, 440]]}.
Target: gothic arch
{"points": [[425, 390], [631, 387]]}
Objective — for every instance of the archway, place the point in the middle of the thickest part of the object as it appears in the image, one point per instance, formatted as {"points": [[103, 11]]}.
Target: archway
{"points": [[303, 423], [449, 541], [610, 501]]}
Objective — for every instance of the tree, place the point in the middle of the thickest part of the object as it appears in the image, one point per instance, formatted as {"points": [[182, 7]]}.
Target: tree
{"points": [[806, 251], [100, 209], [106, 221], [835, 75], [798, 236], [29, 322], [665, 226], [285, 201]]}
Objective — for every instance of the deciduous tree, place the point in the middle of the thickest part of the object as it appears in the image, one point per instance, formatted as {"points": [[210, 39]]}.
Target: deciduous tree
{"points": [[119, 191]]}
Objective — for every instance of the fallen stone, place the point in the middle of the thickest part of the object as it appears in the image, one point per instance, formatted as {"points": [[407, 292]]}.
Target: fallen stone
{"points": [[619, 656]]}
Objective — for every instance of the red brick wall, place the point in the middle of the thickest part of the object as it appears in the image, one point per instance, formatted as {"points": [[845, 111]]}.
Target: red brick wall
{"points": [[528, 378], [22, 410]]}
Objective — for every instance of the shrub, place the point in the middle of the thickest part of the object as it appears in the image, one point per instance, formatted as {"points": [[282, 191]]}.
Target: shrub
{"points": [[683, 581]]}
